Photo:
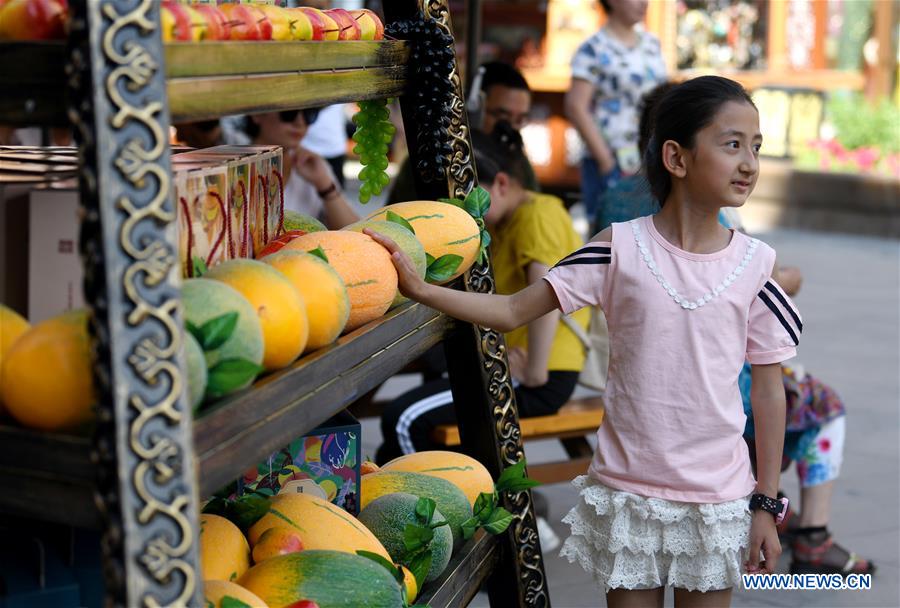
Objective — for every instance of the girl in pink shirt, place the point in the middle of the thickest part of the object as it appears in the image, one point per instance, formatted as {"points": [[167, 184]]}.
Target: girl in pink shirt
{"points": [[670, 498]]}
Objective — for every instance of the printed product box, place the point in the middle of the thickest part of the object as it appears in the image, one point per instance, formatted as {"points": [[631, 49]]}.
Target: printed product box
{"points": [[265, 189], [324, 462], [239, 162], [201, 191]]}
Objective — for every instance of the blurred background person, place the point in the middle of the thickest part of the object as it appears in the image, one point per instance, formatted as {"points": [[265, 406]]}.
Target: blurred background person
{"points": [[200, 134], [500, 93], [327, 137], [310, 185], [611, 71]]}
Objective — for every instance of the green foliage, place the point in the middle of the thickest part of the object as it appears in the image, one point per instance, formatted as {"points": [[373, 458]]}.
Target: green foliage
{"points": [[859, 123], [319, 253], [487, 512]]}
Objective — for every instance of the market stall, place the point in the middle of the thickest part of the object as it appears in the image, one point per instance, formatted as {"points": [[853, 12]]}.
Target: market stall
{"points": [[149, 466]]}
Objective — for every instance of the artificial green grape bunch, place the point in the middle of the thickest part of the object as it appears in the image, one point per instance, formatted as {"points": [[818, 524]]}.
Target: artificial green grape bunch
{"points": [[374, 132]]}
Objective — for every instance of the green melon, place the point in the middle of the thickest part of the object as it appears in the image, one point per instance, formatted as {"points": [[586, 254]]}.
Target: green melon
{"points": [[450, 500], [405, 239], [195, 363], [387, 516], [205, 299], [294, 220], [331, 579]]}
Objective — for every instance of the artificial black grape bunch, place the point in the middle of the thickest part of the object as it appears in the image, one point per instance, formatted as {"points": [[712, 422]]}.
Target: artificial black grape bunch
{"points": [[374, 131], [431, 63]]}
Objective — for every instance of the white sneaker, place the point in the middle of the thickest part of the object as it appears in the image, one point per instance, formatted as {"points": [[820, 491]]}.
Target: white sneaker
{"points": [[549, 539]]}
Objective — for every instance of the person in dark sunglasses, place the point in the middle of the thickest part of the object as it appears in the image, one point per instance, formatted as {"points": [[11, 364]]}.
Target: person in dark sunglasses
{"points": [[310, 185], [200, 134]]}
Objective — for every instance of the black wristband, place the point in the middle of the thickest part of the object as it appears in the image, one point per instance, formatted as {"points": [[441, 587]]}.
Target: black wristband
{"points": [[327, 191], [765, 503]]}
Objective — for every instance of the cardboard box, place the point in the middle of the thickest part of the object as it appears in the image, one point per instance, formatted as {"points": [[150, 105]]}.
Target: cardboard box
{"points": [[325, 462], [54, 265]]}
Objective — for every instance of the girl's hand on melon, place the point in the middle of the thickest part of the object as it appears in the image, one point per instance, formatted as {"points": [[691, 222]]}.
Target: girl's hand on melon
{"points": [[408, 280]]}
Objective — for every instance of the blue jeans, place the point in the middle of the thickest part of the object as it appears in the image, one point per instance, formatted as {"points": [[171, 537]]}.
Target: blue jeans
{"points": [[594, 184]]}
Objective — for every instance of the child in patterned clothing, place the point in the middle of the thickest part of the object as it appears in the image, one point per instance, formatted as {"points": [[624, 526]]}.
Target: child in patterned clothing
{"points": [[670, 498]]}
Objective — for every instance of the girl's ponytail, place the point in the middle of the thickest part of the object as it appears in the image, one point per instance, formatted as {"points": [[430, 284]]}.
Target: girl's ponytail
{"points": [[657, 176], [501, 150]]}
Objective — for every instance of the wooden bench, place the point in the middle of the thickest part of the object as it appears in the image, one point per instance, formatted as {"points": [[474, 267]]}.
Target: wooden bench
{"points": [[570, 424]]}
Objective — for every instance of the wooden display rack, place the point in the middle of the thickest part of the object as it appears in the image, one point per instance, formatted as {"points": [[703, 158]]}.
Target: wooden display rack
{"points": [[141, 476]]}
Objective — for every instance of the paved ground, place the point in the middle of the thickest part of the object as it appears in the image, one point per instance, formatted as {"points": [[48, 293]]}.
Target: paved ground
{"points": [[850, 303]]}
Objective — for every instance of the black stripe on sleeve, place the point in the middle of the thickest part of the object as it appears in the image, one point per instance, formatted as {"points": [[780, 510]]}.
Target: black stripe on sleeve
{"points": [[599, 250], [588, 260], [786, 305], [774, 309]]}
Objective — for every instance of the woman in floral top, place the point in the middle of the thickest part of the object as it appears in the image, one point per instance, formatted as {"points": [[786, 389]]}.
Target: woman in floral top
{"points": [[611, 71]]}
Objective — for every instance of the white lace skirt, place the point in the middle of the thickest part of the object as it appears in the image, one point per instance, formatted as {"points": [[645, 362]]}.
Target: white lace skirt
{"points": [[626, 541]]}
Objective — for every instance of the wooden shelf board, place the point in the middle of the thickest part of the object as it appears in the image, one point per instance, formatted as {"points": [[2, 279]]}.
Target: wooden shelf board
{"points": [[208, 80], [51, 476], [210, 97], [465, 574], [247, 427], [187, 60]]}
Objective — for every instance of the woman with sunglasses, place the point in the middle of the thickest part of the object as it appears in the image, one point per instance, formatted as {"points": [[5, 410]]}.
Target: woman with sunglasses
{"points": [[310, 185]]}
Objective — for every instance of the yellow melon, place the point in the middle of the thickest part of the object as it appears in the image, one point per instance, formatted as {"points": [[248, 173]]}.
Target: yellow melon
{"points": [[442, 229], [46, 380], [364, 265], [463, 471], [224, 552], [320, 525], [215, 591], [12, 325], [412, 587], [323, 291], [278, 304]]}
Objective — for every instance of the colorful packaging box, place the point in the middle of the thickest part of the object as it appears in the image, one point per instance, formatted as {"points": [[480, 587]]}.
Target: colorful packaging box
{"points": [[240, 162], [324, 462], [265, 189], [201, 192]]}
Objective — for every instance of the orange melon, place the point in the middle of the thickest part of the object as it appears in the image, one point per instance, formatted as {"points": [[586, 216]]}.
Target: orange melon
{"points": [[442, 229], [364, 265], [278, 304], [224, 552], [319, 523], [46, 380], [463, 471], [216, 591], [405, 239], [276, 541], [323, 291]]}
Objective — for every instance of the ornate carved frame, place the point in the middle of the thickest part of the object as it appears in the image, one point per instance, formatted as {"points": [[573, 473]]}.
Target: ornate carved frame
{"points": [[143, 444]]}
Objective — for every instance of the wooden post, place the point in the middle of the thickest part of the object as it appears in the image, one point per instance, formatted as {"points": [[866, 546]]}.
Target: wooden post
{"points": [[479, 371], [143, 444], [777, 52], [882, 73]]}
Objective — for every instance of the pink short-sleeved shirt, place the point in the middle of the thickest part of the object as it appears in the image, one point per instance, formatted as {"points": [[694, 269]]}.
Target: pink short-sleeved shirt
{"points": [[681, 326]]}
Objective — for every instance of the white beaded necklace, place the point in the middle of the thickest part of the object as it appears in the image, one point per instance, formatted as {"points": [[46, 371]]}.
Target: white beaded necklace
{"points": [[677, 297]]}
